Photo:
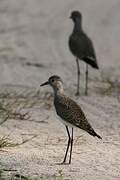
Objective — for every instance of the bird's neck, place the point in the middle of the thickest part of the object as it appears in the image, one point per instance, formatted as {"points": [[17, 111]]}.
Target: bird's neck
{"points": [[58, 91], [77, 26]]}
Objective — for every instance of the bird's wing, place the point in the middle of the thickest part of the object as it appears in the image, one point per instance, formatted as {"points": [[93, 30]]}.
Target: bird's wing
{"points": [[69, 111], [82, 47], [84, 43]]}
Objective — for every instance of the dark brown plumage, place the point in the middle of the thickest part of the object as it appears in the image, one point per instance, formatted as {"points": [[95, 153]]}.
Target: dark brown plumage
{"points": [[81, 47], [69, 111]]}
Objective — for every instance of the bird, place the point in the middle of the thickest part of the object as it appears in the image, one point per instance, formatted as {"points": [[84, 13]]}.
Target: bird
{"points": [[70, 113], [82, 48]]}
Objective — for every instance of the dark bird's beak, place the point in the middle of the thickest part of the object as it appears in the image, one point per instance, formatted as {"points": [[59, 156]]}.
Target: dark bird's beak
{"points": [[46, 83], [70, 17]]}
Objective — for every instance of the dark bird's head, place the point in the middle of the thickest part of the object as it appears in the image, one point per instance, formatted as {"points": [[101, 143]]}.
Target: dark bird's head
{"points": [[76, 16], [56, 83]]}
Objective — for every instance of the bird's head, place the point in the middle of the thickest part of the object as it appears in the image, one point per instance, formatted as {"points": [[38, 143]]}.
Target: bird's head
{"points": [[56, 83], [76, 15]]}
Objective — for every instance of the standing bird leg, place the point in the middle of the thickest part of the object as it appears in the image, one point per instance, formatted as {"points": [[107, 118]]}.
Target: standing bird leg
{"points": [[69, 141], [78, 78], [71, 147], [86, 82]]}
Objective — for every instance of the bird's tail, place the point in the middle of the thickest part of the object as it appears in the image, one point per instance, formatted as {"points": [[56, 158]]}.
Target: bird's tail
{"points": [[92, 62]]}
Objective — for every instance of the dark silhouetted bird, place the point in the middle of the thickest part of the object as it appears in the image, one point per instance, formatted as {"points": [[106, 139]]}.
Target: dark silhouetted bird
{"points": [[82, 48], [69, 112]]}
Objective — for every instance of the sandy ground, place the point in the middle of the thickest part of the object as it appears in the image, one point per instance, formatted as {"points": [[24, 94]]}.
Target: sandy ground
{"points": [[36, 32]]}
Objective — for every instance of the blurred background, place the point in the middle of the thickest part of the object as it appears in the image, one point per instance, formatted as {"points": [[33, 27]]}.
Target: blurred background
{"points": [[34, 39]]}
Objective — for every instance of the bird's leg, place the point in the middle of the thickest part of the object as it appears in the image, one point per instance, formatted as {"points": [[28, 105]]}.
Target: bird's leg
{"points": [[78, 77], [71, 147], [86, 83], [69, 140]]}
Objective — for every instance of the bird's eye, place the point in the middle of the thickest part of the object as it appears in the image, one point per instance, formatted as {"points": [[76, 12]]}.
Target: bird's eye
{"points": [[52, 80]]}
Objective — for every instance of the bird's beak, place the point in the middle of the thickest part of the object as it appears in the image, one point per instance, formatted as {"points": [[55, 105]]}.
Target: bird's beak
{"points": [[70, 17], [46, 83]]}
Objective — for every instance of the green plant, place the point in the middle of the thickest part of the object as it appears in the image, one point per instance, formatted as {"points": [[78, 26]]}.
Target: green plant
{"points": [[59, 175]]}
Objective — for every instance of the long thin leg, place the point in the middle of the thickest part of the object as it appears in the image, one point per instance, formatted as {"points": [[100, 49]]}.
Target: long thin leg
{"points": [[78, 77], [69, 139], [86, 83], [71, 147]]}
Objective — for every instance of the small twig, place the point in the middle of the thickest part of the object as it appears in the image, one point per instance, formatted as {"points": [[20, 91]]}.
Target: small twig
{"points": [[8, 169], [25, 141], [21, 176], [4, 142], [4, 120]]}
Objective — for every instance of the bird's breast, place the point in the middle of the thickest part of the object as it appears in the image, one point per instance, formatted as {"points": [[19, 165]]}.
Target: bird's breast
{"points": [[72, 45], [65, 122]]}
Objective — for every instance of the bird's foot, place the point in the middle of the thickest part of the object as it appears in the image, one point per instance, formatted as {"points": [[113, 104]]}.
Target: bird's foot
{"points": [[86, 93], [77, 93], [63, 163], [69, 162]]}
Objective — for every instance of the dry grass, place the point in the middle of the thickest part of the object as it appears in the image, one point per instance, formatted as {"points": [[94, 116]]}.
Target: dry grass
{"points": [[8, 174], [109, 87], [113, 87], [17, 106], [11, 108], [5, 141]]}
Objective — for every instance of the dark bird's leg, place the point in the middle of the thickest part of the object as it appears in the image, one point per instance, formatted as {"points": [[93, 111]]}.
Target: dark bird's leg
{"points": [[69, 140], [78, 77], [86, 82], [71, 147]]}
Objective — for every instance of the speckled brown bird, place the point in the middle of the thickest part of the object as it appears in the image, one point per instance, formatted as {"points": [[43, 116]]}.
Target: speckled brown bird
{"points": [[69, 112], [82, 48]]}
